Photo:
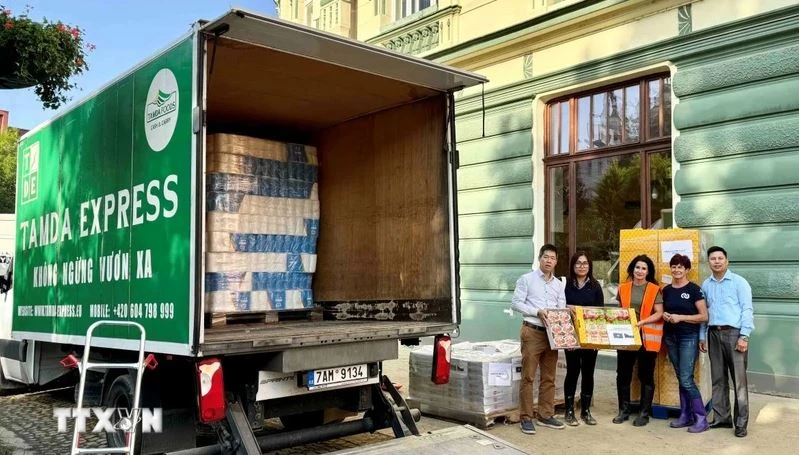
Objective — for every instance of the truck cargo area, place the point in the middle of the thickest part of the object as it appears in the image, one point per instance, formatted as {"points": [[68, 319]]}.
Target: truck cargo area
{"points": [[385, 264]]}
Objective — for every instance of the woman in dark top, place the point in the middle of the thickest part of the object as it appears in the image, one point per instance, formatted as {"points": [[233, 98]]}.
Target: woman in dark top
{"points": [[584, 290], [684, 309]]}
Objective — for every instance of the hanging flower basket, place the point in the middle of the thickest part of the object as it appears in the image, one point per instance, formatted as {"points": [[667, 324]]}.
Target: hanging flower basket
{"points": [[45, 55]]}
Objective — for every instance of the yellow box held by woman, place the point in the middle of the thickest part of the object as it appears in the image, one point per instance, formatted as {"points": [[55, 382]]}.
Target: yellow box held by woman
{"points": [[607, 328]]}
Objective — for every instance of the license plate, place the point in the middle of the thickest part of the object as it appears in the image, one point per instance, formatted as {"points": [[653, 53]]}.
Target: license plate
{"points": [[327, 377]]}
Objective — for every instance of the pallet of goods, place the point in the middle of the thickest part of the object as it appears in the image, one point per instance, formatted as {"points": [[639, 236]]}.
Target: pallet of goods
{"points": [[262, 226], [484, 382], [660, 245]]}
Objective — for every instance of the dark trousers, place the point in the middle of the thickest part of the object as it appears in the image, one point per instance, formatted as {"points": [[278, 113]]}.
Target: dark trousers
{"points": [[726, 362], [646, 367], [683, 349], [580, 361]]}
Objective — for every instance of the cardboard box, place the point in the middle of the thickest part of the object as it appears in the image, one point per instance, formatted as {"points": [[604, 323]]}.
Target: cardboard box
{"points": [[660, 245], [607, 328], [484, 381], [560, 330], [669, 393]]}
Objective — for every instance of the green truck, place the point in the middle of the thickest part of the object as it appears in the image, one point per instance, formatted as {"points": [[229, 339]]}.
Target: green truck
{"points": [[110, 225]]}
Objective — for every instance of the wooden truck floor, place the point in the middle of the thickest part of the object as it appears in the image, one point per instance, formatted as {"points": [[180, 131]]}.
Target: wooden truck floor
{"points": [[258, 337]]}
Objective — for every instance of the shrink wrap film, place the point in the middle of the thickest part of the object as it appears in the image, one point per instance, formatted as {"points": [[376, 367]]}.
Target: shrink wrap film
{"points": [[255, 224], [262, 224], [260, 148], [484, 380]]}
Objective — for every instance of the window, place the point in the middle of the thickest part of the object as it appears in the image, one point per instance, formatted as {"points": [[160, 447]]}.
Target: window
{"points": [[608, 167], [380, 7], [407, 7], [309, 13]]}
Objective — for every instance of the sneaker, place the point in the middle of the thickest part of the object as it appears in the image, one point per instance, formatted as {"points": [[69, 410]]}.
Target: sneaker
{"points": [[551, 422], [528, 427]]}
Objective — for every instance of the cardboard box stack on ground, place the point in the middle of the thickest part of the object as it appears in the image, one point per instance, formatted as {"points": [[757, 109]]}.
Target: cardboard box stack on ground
{"points": [[660, 246], [262, 224], [483, 385]]}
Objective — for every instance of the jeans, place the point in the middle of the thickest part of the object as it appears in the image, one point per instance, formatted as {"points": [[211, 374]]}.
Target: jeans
{"points": [[683, 349], [580, 361]]}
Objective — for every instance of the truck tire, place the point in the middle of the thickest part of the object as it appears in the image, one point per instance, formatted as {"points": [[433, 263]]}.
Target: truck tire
{"points": [[120, 395]]}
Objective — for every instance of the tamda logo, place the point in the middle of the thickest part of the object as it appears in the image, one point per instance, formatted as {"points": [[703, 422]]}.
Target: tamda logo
{"points": [[161, 111]]}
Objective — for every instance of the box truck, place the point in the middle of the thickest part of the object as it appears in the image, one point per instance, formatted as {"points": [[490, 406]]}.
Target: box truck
{"points": [[117, 202]]}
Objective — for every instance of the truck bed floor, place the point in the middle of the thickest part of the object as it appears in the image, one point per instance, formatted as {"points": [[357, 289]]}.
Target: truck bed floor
{"points": [[258, 337]]}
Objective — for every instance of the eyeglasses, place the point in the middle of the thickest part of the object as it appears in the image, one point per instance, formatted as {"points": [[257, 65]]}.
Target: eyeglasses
{"points": [[581, 264]]}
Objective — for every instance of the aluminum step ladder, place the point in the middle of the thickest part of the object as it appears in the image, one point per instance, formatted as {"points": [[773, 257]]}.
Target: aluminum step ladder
{"points": [[85, 365]]}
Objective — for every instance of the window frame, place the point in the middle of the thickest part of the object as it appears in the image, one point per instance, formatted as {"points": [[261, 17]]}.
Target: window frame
{"points": [[645, 147], [415, 7]]}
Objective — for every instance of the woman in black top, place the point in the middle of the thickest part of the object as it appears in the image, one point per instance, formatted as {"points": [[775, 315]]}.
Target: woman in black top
{"points": [[684, 310], [584, 290]]}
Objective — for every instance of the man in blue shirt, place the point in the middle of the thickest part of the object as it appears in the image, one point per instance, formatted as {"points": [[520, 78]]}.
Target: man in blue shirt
{"points": [[731, 321]]}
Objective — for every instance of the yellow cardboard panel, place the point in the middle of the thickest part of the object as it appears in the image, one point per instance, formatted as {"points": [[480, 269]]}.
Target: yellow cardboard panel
{"points": [[591, 324]]}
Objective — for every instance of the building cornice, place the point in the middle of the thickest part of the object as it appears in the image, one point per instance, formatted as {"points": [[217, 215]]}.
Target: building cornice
{"points": [[421, 35], [477, 46], [733, 38]]}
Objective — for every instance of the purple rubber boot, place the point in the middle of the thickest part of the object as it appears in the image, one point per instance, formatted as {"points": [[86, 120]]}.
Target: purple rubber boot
{"points": [[686, 416], [698, 409]]}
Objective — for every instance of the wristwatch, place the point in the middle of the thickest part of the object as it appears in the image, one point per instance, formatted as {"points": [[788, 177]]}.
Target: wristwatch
{"points": [[744, 337]]}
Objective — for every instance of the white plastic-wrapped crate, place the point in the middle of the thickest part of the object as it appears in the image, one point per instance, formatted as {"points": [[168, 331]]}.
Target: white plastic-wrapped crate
{"points": [[484, 382], [262, 224]]}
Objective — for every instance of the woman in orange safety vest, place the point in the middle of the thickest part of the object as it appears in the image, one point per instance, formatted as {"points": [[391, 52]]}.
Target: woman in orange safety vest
{"points": [[641, 293]]}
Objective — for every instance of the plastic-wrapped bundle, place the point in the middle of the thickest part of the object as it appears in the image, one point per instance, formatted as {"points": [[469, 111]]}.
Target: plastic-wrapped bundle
{"points": [[241, 203], [484, 381], [259, 186], [255, 224], [262, 224], [260, 148], [260, 243], [225, 163]]}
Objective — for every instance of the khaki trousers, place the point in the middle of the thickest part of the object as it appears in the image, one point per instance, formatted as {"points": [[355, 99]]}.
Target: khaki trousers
{"points": [[537, 354]]}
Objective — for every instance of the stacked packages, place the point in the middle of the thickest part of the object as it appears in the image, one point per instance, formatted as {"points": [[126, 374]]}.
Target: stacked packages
{"points": [[484, 381], [262, 224]]}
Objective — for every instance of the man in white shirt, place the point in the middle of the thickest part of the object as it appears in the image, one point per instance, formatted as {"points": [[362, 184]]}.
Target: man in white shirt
{"points": [[536, 292]]}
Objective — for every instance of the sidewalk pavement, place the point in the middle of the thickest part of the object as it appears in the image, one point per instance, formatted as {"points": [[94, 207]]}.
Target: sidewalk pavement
{"points": [[773, 423]]}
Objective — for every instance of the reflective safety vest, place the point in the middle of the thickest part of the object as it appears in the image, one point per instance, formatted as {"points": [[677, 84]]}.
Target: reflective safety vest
{"points": [[652, 333]]}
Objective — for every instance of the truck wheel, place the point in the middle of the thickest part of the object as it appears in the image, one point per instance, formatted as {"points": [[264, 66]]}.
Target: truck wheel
{"points": [[120, 396]]}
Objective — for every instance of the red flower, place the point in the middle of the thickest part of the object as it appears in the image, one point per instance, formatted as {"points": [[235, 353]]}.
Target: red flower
{"points": [[75, 33], [79, 62], [62, 28], [9, 25]]}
